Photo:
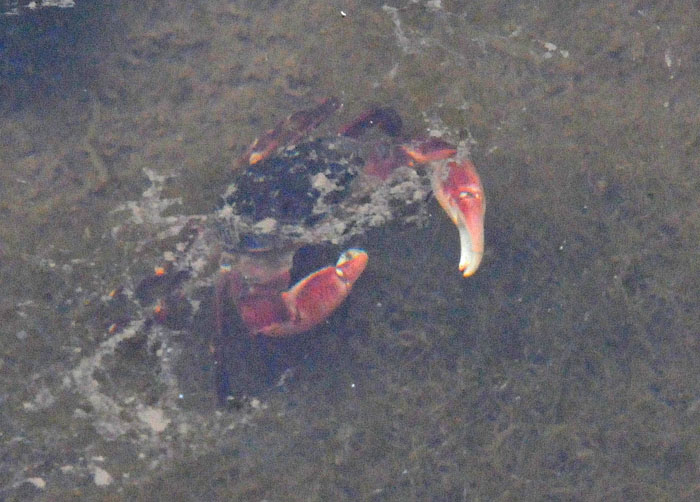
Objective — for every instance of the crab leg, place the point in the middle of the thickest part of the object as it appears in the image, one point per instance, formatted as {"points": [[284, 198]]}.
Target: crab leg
{"points": [[288, 131], [387, 119], [308, 303]]}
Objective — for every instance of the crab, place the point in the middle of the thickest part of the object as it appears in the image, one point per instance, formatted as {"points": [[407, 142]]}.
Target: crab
{"points": [[291, 191]]}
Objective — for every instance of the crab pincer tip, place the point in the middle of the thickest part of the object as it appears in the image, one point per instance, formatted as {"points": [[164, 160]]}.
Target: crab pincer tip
{"points": [[351, 264], [469, 259]]}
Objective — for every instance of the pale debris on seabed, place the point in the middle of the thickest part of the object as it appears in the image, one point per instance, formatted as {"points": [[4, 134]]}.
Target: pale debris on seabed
{"points": [[57, 3], [37, 482], [667, 58], [401, 38], [154, 418], [551, 49], [111, 413], [100, 476], [106, 410], [410, 42], [42, 400], [149, 209], [15, 8]]}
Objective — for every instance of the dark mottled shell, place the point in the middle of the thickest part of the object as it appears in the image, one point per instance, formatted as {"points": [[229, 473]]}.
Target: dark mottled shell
{"points": [[314, 192], [285, 187]]}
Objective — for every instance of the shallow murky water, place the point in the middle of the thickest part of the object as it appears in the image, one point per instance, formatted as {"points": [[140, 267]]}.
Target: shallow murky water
{"points": [[565, 369]]}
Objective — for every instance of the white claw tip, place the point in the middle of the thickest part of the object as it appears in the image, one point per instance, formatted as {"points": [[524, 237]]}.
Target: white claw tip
{"points": [[469, 259], [469, 265]]}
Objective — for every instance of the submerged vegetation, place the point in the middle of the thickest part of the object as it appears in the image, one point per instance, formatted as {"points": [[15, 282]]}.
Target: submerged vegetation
{"points": [[567, 367]]}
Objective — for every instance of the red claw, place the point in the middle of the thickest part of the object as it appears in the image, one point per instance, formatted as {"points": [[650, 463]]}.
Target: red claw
{"points": [[308, 303], [459, 191], [458, 188]]}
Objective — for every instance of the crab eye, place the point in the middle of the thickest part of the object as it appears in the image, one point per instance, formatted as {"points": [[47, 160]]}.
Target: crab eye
{"points": [[470, 193]]}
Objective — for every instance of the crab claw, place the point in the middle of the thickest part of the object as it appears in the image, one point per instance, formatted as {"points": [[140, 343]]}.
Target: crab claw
{"points": [[314, 298], [459, 191]]}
